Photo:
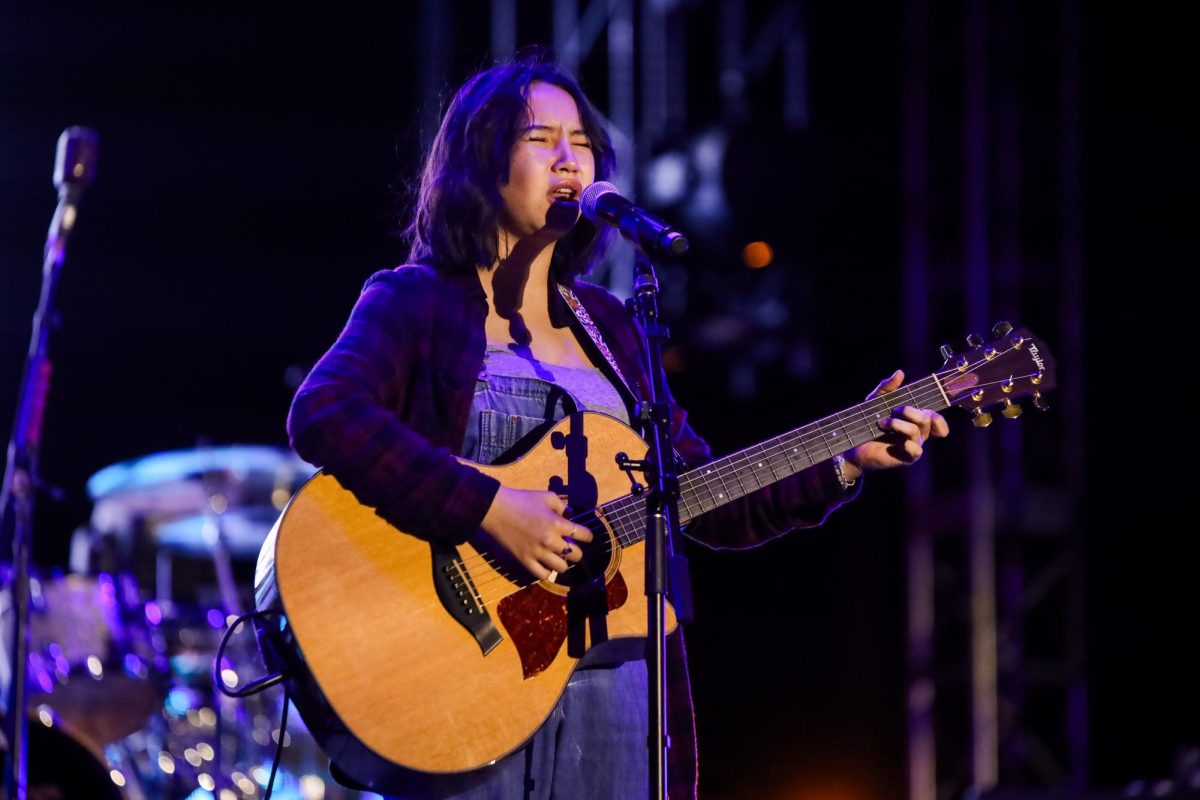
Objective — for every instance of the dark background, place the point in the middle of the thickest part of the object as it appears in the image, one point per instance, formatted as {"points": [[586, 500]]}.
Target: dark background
{"points": [[250, 168]]}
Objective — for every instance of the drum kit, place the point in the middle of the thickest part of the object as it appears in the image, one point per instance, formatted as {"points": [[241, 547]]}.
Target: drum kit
{"points": [[120, 667]]}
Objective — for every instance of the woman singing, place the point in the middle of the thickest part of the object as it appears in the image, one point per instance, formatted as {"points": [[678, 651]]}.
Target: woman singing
{"points": [[487, 334]]}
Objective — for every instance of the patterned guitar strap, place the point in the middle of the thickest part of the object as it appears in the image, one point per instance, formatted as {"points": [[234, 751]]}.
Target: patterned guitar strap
{"points": [[593, 333]]}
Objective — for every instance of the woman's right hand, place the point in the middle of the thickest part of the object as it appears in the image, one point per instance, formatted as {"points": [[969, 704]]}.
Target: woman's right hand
{"points": [[530, 525]]}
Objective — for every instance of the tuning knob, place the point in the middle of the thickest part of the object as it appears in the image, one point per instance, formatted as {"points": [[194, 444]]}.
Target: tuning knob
{"points": [[1040, 403], [947, 352], [1001, 329], [1011, 410], [980, 418], [974, 340]]}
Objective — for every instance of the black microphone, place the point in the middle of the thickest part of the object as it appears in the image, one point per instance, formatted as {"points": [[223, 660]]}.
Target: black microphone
{"points": [[601, 203], [75, 162]]}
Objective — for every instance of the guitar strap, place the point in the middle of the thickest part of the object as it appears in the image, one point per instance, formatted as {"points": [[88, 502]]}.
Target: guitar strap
{"points": [[585, 319]]}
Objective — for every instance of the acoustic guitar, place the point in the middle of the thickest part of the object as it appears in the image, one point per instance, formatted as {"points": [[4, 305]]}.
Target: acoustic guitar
{"points": [[405, 656]]}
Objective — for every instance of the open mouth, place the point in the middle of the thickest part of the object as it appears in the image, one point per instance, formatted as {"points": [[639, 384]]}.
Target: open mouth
{"points": [[566, 192]]}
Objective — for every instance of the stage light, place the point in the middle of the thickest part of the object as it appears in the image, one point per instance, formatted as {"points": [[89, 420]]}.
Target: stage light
{"points": [[667, 178], [757, 255]]}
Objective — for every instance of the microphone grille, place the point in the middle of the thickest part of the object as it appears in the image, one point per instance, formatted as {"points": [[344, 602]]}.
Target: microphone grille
{"points": [[587, 200], [75, 160]]}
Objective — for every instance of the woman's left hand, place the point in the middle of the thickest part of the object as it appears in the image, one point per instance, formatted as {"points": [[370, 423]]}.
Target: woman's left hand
{"points": [[907, 430]]}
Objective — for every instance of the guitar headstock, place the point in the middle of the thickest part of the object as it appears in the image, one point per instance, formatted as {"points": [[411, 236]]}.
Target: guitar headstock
{"points": [[1013, 365]]}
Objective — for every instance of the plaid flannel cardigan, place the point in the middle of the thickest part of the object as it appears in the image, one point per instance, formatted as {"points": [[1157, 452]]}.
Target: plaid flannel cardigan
{"points": [[385, 411]]}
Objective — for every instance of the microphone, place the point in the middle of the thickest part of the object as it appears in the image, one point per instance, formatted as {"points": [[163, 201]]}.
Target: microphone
{"points": [[74, 171], [601, 203], [75, 162]]}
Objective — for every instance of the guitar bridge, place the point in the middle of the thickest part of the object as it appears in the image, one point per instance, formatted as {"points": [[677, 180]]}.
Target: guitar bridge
{"points": [[460, 598]]}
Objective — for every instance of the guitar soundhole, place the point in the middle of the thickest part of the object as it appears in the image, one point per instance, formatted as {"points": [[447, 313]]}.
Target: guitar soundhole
{"points": [[597, 554]]}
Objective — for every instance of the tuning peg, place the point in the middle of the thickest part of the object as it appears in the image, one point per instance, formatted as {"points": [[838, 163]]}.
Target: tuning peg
{"points": [[974, 340], [1001, 329], [980, 418], [1011, 410], [947, 352], [1040, 403]]}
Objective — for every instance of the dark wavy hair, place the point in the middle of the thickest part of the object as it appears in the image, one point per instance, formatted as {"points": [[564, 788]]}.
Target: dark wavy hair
{"points": [[458, 209]]}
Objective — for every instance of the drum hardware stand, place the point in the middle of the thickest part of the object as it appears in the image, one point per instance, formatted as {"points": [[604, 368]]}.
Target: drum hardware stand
{"points": [[218, 504], [666, 572], [74, 170]]}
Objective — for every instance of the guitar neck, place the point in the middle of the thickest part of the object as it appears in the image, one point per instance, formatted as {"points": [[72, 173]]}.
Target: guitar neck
{"points": [[738, 474]]}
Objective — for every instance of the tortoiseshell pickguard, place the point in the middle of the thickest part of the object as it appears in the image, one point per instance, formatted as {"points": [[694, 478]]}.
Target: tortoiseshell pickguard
{"points": [[536, 620]]}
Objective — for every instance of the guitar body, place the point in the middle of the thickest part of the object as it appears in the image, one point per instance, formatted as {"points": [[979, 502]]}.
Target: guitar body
{"points": [[382, 671]]}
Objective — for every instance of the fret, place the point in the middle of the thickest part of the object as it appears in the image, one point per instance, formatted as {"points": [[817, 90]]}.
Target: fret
{"points": [[716, 474], [689, 506], [869, 421], [776, 460], [751, 467]]}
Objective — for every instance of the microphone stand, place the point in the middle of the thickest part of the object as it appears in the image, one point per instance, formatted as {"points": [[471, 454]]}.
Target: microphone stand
{"points": [[21, 482], [665, 571]]}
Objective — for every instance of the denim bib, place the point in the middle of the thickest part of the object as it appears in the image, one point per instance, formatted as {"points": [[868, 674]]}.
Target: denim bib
{"points": [[515, 395]]}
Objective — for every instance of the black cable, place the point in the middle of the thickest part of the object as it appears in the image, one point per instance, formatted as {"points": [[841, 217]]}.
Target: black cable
{"points": [[255, 686], [278, 745]]}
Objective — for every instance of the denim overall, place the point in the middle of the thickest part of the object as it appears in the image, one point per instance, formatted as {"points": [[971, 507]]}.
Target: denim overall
{"points": [[593, 744]]}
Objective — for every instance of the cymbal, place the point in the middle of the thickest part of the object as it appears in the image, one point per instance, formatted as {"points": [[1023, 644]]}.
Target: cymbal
{"points": [[242, 529], [178, 483]]}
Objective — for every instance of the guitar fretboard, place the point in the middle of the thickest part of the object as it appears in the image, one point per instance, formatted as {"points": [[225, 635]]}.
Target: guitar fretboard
{"points": [[738, 474]]}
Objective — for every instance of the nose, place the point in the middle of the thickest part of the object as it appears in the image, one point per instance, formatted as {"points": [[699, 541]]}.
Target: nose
{"points": [[565, 160]]}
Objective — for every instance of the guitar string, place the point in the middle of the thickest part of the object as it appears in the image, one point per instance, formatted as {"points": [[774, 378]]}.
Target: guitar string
{"points": [[736, 462], [801, 437], [764, 455], [618, 515], [625, 523], [623, 512], [625, 516], [622, 515]]}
